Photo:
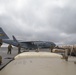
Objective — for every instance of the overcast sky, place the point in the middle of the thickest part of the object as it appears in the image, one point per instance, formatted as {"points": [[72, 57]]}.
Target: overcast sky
{"points": [[46, 20]]}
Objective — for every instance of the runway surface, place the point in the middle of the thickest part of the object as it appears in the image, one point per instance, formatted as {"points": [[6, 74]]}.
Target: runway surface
{"points": [[6, 58]]}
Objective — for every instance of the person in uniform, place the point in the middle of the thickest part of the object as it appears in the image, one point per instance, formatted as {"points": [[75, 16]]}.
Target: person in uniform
{"points": [[1, 42], [51, 48], [65, 55], [9, 49], [0, 59], [19, 48]]}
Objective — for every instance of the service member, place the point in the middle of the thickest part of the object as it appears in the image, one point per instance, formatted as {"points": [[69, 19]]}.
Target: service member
{"points": [[9, 49]]}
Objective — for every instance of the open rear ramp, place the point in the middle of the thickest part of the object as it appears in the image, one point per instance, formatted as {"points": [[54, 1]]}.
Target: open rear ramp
{"points": [[39, 63]]}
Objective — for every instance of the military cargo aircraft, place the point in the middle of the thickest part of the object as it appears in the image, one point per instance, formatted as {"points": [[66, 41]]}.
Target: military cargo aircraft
{"points": [[27, 44]]}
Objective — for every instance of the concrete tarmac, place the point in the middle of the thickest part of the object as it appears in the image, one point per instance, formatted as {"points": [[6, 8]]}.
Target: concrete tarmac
{"points": [[6, 58]]}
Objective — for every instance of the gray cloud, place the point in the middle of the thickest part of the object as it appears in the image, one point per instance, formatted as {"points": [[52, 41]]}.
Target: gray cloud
{"points": [[49, 20]]}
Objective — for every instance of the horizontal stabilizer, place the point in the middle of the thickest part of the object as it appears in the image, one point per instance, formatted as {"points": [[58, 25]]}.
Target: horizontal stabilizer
{"points": [[3, 34]]}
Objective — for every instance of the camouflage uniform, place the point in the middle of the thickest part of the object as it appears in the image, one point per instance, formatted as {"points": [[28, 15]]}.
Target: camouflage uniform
{"points": [[19, 48], [0, 60], [1, 42], [9, 49]]}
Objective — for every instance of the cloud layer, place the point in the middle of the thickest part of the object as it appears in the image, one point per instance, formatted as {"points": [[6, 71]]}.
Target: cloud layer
{"points": [[47, 20]]}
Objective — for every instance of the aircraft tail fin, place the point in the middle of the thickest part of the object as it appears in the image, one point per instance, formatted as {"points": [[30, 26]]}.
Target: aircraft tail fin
{"points": [[3, 35], [14, 39], [17, 42]]}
